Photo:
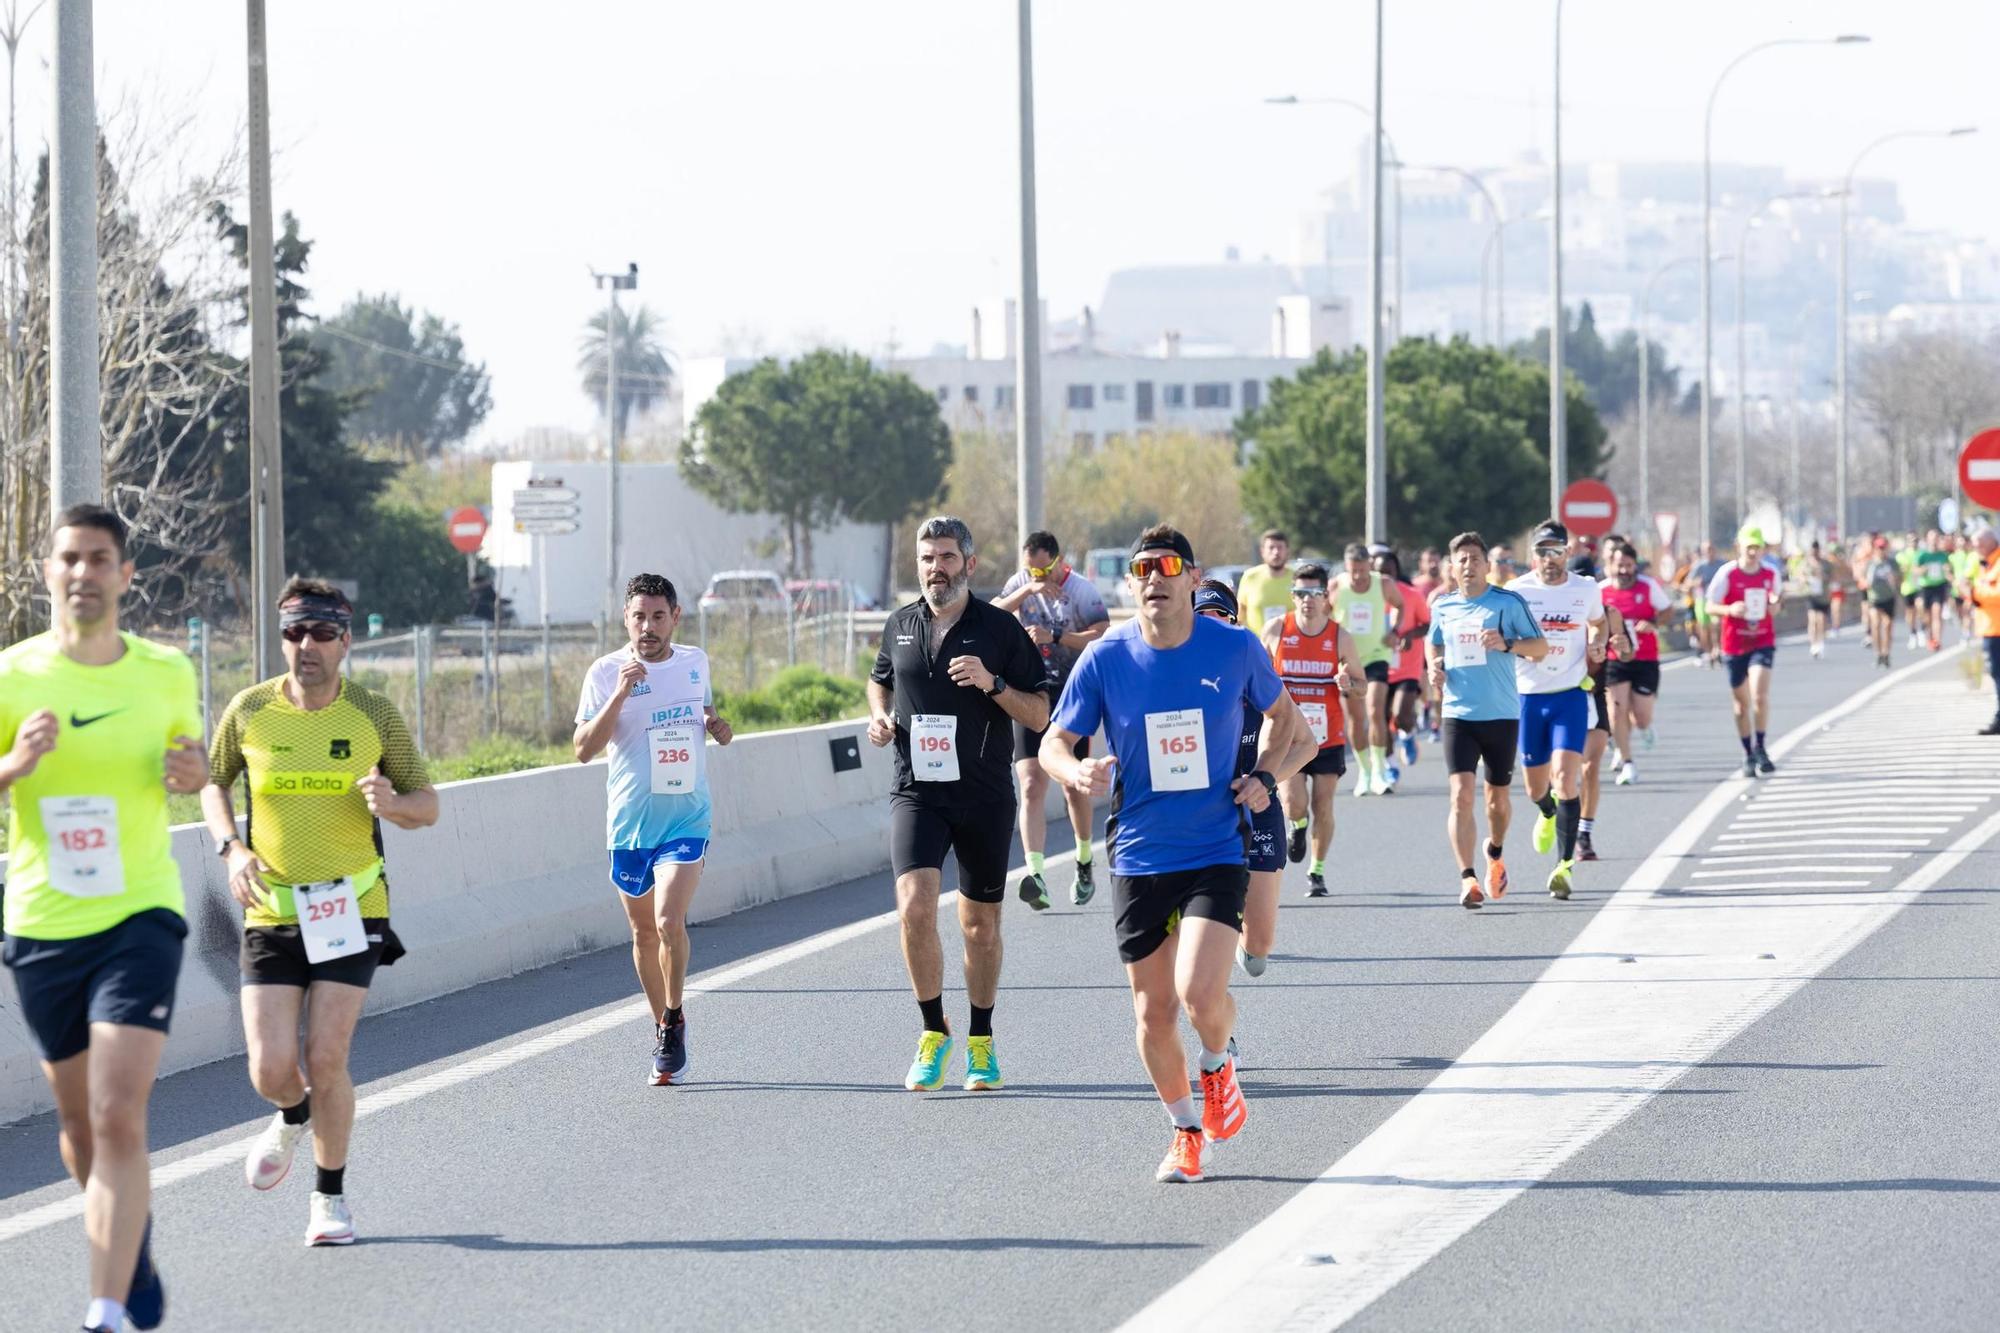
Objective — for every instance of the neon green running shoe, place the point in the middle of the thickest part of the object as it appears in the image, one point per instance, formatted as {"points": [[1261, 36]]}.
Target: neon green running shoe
{"points": [[1559, 879], [927, 1070], [1545, 833], [982, 1066]]}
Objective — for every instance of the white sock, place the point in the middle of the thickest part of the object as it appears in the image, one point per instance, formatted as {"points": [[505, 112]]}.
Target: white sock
{"points": [[104, 1312], [1585, 825], [1213, 1060], [1183, 1114]]}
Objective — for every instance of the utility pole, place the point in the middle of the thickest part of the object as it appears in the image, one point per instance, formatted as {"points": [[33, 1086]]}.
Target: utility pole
{"points": [[76, 446], [267, 469], [1028, 347], [612, 283], [1375, 517], [1558, 326]]}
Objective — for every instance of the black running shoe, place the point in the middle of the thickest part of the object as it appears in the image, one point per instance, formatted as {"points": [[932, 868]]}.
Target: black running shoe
{"points": [[1295, 846], [674, 1044], [1749, 767], [1764, 764], [146, 1303], [1084, 888], [1584, 851], [662, 1067], [1035, 891], [1315, 886], [1990, 729]]}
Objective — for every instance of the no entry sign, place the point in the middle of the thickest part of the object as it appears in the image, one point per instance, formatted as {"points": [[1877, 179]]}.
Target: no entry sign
{"points": [[1979, 469], [1589, 508], [466, 527]]}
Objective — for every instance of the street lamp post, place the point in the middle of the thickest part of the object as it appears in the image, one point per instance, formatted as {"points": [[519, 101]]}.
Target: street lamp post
{"points": [[612, 284], [1028, 348], [1646, 381], [1707, 258], [1840, 318], [1742, 361], [1558, 405]]}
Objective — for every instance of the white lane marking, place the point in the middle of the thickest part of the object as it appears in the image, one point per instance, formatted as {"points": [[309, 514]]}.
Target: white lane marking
{"points": [[1758, 842], [1443, 1163], [1914, 824], [453, 1070], [1865, 832], [1806, 869], [1783, 884], [1874, 803], [1731, 860]]}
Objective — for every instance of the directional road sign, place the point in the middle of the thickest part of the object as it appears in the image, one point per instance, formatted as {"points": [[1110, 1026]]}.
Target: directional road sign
{"points": [[1589, 508], [545, 527], [1979, 469], [466, 527]]}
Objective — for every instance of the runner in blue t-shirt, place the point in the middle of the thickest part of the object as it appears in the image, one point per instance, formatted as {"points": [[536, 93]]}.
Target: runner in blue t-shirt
{"points": [[1168, 688], [1476, 634]]}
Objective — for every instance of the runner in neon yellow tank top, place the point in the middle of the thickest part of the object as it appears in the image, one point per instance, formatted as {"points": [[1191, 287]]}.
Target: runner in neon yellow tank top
{"points": [[99, 726], [1367, 607]]}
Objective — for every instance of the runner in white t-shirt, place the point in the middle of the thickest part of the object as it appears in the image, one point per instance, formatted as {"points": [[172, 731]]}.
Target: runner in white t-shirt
{"points": [[651, 704]]}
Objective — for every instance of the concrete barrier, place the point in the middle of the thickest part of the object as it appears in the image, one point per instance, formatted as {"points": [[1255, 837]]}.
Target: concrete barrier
{"points": [[513, 876]]}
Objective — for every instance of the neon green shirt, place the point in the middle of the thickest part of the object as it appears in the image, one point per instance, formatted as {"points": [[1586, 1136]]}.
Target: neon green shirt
{"points": [[1263, 596], [1906, 561], [1365, 616], [103, 786]]}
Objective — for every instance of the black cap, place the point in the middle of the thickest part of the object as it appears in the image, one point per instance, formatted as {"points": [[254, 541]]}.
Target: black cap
{"points": [[1213, 595], [1550, 533], [1177, 543]]}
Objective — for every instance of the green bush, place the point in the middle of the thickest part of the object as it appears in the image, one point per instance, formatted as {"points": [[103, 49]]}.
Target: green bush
{"points": [[501, 755], [798, 696]]}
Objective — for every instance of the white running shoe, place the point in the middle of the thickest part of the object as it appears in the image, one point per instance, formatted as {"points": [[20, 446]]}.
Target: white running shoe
{"points": [[332, 1223], [1627, 774], [270, 1159], [1646, 735], [1362, 786]]}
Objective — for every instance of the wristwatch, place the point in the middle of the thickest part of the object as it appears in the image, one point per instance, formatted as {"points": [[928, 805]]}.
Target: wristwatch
{"points": [[222, 845], [999, 687], [1506, 644], [1270, 783]]}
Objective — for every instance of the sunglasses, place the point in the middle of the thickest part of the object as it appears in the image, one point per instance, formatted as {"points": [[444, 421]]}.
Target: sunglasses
{"points": [[1309, 592], [320, 631], [1170, 566], [1040, 571], [1544, 552]]}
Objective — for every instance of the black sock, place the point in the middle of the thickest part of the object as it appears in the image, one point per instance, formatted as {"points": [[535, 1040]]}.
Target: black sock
{"points": [[982, 1021], [1747, 749], [673, 1016], [1567, 814], [1470, 874], [1493, 850], [298, 1115], [332, 1180], [933, 1014], [1760, 740], [1546, 803]]}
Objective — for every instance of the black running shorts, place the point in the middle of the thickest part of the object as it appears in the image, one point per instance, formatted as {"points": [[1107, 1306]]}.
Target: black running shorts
{"points": [[1330, 762], [1600, 704], [1028, 744], [1493, 742], [1739, 664], [1148, 909], [126, 975], [1377, 672], [1643, 677], [276, 956], [980, 836]]}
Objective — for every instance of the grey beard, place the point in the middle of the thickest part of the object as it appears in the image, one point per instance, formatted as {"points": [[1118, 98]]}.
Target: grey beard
{"points": [[952, 591]]}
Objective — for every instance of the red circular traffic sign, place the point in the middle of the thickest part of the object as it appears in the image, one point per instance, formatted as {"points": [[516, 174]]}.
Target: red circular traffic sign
{"points": [[1589, 508], [466, 527], [1979, 469]]}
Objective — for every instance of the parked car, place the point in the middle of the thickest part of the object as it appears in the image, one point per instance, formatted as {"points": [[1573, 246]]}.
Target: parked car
{"points": [[1105, 567], [814, 596], [1230, 574], [758, 590]]}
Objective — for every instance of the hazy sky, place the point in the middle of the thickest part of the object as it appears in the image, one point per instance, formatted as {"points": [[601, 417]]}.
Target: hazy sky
{"points": [[795, 170]]}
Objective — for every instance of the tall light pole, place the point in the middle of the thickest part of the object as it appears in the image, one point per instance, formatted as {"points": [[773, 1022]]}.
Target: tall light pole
{"points": [[1028, 347], [1375, 523], [1840, 318], [1558, 405], [1742, 360], [1497, 242], [76, 447], [1646, 381], [1707, 257], [612, 284], [267, 468]]}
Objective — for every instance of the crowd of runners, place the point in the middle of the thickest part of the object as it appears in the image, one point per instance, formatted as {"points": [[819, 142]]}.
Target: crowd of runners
{"points": [[1228, 718]]}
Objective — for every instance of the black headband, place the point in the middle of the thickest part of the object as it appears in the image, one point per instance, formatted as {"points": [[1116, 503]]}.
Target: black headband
{"points": [[1178, 544], [306, 607]]}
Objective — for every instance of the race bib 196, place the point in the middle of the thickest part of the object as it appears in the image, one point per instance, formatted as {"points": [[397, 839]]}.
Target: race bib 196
{"points": [[1176, 752], [934, 747], [83, 845]]}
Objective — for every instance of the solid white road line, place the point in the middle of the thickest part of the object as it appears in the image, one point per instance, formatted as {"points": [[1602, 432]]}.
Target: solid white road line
{"points": [[1777, 884], [1790, 870], [1445, 1161], [1799, 856]]}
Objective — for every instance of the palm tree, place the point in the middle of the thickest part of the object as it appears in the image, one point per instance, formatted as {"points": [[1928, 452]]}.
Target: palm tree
{"points": [[644, 375]]}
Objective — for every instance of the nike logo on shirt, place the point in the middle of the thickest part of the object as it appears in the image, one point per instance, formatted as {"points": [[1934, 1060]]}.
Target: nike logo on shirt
{"points": [[76, 721]]}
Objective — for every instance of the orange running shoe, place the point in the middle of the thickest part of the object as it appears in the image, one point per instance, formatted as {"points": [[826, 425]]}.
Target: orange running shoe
{"points": [[1185, 1160], [1469, 893], [1496, 878], [1222, 1109]]}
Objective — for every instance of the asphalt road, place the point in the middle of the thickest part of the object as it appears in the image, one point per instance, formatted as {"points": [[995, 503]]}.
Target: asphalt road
{"points": [[1823, 1168]]}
